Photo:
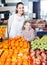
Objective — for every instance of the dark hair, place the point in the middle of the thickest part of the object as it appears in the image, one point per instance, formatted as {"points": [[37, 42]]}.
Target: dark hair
{"points": [[17, 5]]}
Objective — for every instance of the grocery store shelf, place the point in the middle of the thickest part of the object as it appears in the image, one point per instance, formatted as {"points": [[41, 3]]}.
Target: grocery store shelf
{"points": [[11, 8]]}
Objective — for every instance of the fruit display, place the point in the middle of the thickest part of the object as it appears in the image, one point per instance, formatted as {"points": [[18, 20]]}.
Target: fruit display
{"points": [[2, 31], [40, 43], [44, 38], [14, 51], [38, 57]]}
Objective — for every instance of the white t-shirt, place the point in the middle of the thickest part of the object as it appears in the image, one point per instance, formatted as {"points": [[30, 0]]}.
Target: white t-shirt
{"points": [[15, 24]]}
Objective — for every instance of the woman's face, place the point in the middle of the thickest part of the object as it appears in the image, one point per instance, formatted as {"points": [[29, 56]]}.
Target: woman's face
{"points": [[20, 9]]}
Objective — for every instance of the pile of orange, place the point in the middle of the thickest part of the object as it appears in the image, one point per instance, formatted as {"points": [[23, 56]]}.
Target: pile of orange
{"points": [[14, 51], [2, 31]]}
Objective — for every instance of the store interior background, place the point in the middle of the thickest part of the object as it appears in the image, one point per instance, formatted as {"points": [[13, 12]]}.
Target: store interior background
{"points": [[34, 10]]}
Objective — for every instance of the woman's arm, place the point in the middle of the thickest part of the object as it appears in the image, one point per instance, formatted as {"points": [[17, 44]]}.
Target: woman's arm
{"points": [[8, 26]]}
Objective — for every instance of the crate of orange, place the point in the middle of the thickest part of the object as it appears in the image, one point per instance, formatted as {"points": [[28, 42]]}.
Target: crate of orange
{"points": [[2, 31], [14, 51]]}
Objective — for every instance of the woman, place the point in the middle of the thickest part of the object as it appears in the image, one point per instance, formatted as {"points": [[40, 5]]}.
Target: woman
{"points": [[16, 21]]}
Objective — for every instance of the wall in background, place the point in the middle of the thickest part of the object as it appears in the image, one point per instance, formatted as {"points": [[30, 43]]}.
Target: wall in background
{"points": [[11, 6]]}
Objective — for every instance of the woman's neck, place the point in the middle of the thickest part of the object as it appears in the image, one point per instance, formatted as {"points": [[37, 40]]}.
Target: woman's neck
{"points": [[19, 14]]}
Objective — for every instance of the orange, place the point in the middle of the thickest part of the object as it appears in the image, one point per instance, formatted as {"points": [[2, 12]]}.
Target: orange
{"points": [[1, 45], [5, 54], [13, 63], [1, 61], [25, 57], [25, 44], [21, 44], [6, 46], [14, 60], [21, 50], [18, 37], [16, 44], [19, 58], [3, 30], [8, 61], [1, 51], [12, 43], [10, 39], [13, 47], [22, 39], [25, 62], [10, 53], [19, 63], [18, 49], [15, 51]]}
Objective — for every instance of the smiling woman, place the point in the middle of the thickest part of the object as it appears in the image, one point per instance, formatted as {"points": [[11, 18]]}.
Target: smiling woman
{"points": [[16, 21]]}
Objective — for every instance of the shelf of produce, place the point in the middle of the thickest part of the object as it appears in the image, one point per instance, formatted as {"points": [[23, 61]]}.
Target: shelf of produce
{"points": [[18, 51], [2, 31]]}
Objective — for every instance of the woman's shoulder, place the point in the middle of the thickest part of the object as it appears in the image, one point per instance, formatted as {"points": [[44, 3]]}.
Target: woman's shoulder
{"points": [[13, 15]]}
